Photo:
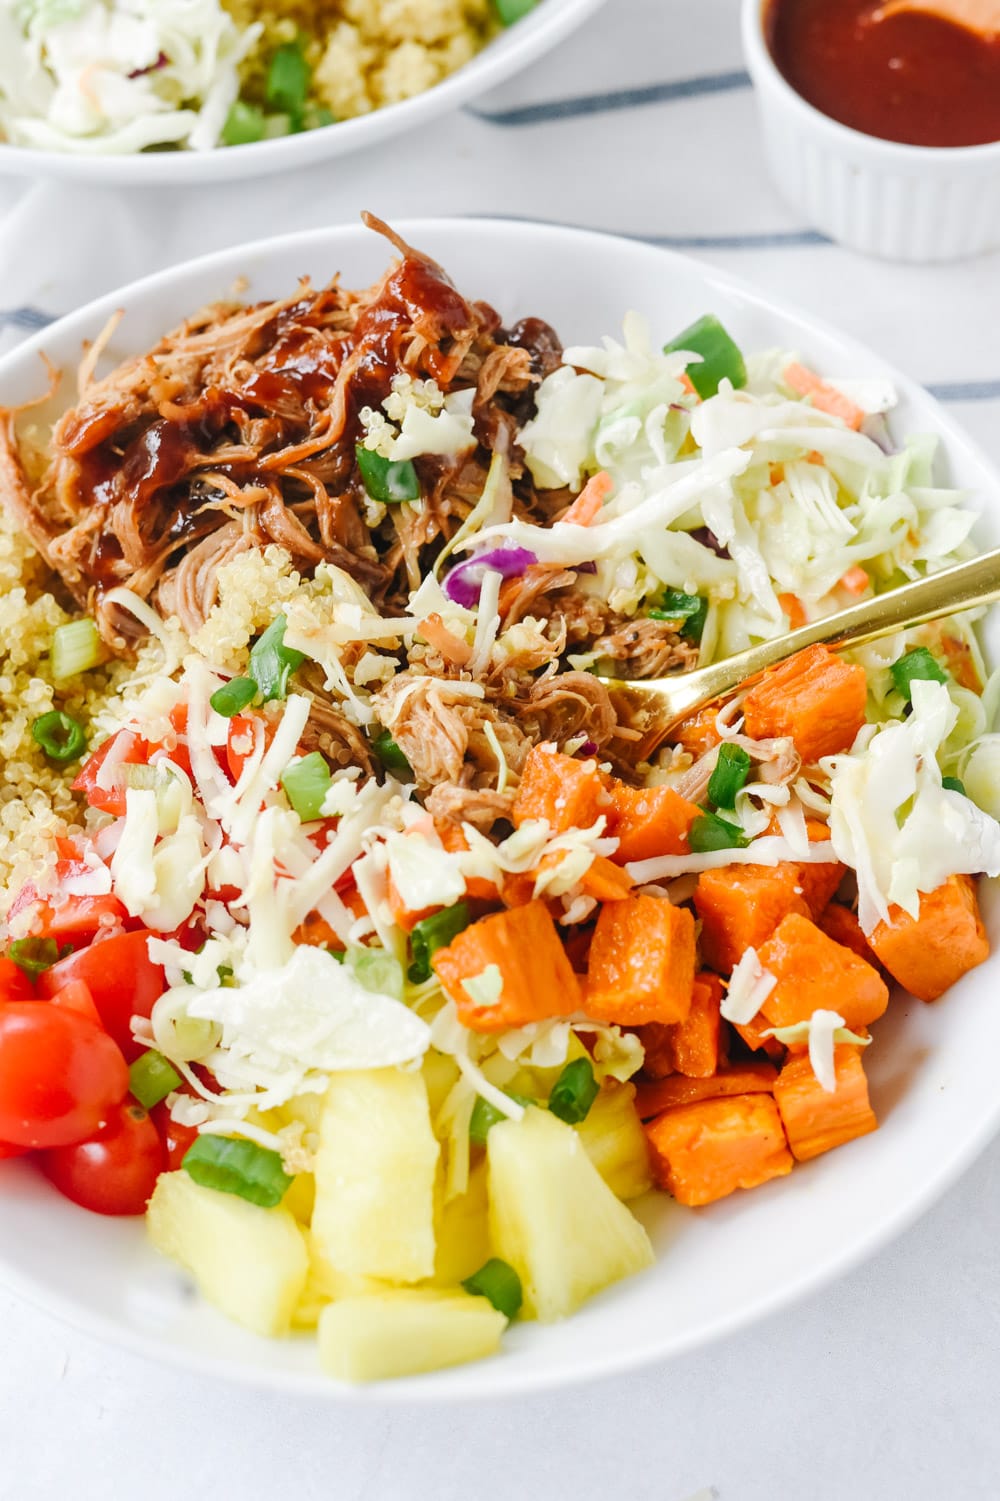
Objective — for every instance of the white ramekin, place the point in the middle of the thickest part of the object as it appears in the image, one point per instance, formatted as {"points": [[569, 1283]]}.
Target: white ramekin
{"points": [[906, 203]]}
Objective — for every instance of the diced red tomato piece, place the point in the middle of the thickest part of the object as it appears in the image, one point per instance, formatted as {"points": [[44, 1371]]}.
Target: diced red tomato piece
{"points": [[134, 751], [121, 977], [176, 1138], [243, 732], [76, 997]]}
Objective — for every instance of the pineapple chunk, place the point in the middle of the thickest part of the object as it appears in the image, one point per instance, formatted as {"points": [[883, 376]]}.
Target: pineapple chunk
{"points": [[250, 1262], [463, 1232], [330, 1283], [404, 1332], [554, 1218], [301, 1197], [615, 1142], [375, 1172]]}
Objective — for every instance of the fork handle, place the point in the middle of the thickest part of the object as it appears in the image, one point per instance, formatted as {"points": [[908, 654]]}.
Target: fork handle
{"points": [[954, 589]]}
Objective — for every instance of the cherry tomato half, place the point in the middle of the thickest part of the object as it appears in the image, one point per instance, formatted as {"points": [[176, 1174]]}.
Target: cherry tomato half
{"points": [[6, 1150], [115, 1171], [60, 1077], [243, 732], [175, 1138], [122, 979]]}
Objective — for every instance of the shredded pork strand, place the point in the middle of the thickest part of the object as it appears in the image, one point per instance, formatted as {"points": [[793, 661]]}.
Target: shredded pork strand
{"points": [[239, 429]]}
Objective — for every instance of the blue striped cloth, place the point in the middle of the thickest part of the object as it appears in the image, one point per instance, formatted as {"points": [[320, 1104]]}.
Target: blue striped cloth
{"points": [[641, 123]]}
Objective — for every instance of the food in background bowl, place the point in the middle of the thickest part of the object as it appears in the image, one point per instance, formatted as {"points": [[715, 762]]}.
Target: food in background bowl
{"points": [[120, 76], [398, 938]]}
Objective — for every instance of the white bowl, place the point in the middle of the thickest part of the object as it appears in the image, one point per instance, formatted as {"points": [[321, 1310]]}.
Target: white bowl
{"points": [[932, 1068], [513, 49], [905, 203]]}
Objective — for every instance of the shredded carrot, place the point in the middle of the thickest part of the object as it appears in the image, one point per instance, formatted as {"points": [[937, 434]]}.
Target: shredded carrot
{"points": [[688, 385], [451, 647], [794, 609], [776, 473], [855, 581], [825, 398], [587, 505]]}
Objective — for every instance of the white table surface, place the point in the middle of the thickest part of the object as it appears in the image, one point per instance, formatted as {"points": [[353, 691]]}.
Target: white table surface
{"points": [[882, 1388]]}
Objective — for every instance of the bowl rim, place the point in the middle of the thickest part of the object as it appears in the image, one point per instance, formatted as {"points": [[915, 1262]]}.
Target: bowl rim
{"points": [[506, 53], [766, 75], [607, 1363]]}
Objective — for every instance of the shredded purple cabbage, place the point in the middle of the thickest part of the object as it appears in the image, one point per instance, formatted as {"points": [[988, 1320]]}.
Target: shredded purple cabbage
{"points": [[463, 585], [161, 62], [588, 748], [586, 568]]}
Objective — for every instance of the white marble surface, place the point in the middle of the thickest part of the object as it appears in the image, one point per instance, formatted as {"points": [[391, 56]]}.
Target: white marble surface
{"points": [[883, 1387]]}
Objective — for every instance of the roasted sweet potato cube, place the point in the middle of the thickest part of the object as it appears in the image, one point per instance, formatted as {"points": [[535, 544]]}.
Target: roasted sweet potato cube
{"points": [[814, 697], [841, 924], [816, 974], [741, 905], [752, 1033], [703, 1151], [567, 793], [816, 1120], [928, 954], [641, 962], [699, 733], [690, 1047], [520, 949], [649, 821], [747, 1078], [695, 1040]]}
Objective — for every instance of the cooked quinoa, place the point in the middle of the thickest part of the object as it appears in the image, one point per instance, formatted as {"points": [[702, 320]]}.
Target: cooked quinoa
{"points": [[37, 804], [367, 53]]}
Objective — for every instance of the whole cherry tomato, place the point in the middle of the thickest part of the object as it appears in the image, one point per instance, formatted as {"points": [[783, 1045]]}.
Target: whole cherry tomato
{"points": [[60, 1076], [6, 1150], [115, 1171], [120, 976], [14, 983]]}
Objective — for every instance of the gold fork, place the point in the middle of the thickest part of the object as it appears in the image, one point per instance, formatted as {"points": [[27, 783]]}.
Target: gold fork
{"points": [[658, 704]]}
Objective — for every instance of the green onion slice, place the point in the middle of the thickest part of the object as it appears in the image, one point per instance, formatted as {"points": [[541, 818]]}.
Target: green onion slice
{"points": [[61, 737], [485, 1116], [33, 955], [720, 357], [954, 784], [509, 11], [233, 697], [233, 1166], [151, 1078], [688, 610], [244, 125], [306, 784], [76, 647], [288, 80], [387, 480], [728, 776], [390, 755], [574, 1092], [710, 832], [433, 933], [918, 663], [272, 662], [497, 1281]]}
